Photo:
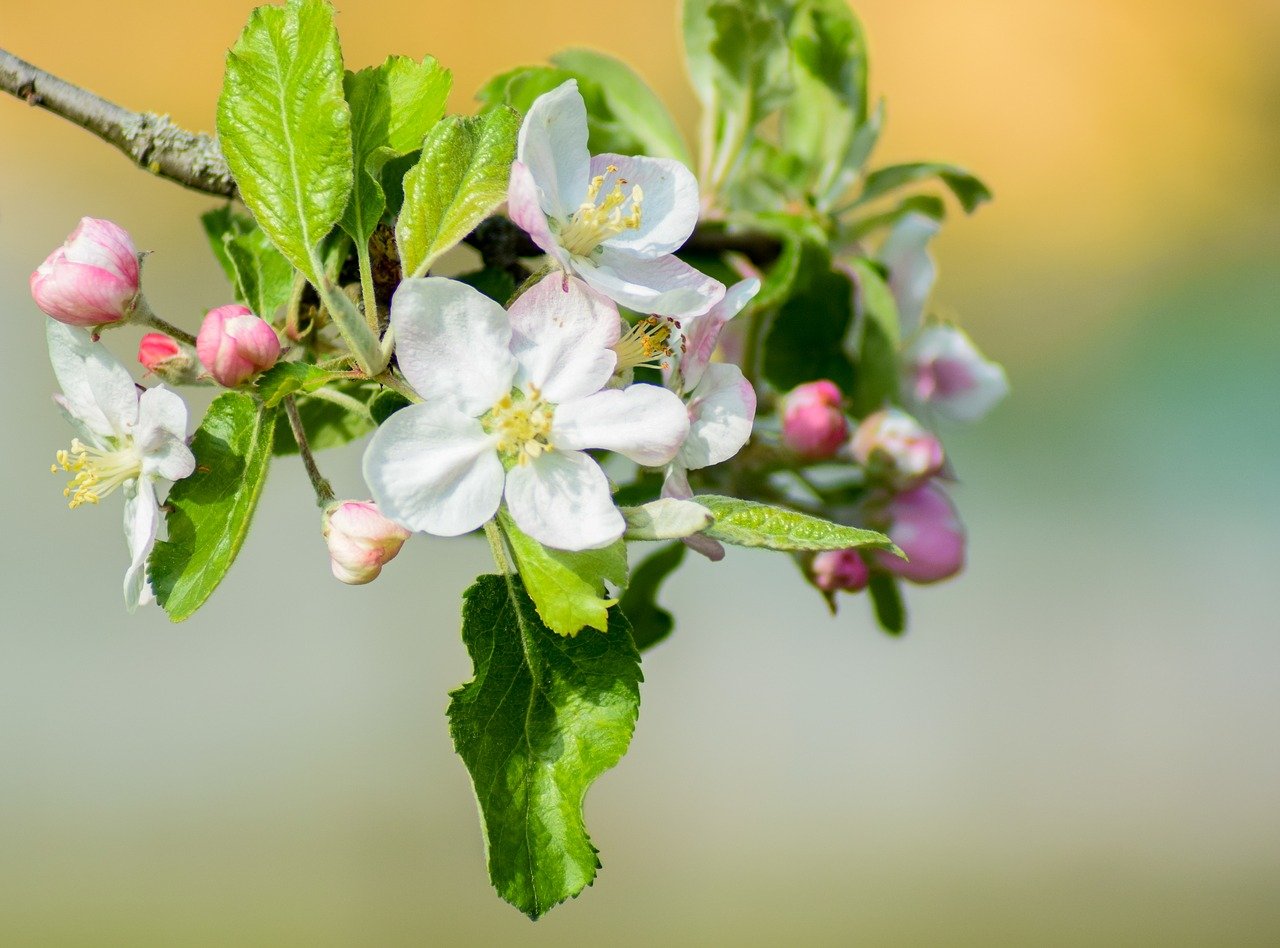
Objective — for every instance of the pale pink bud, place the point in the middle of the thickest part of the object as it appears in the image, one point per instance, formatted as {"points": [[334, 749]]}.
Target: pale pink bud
{"points": [[235, 345], [361, 541], [928, 529], [895, 449], [942, 369], [813, 426], [839, 570], [92, 279]]}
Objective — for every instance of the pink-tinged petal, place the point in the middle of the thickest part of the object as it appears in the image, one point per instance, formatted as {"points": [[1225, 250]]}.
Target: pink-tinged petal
{"points": [[676, 486], [702, 333], [642, 422], [161, 435], [912, 271], [840, 571], [361, 541], [81, 295], [525, 208], [453, 343], [104, 244], [925, 525], [234, 345], [943, 370], [553, 145], [98, 390], [721, 412], [664, 286], [813, 423], [562, 499], [141, 521], [562, 331], [433, 469], [669, 204]]}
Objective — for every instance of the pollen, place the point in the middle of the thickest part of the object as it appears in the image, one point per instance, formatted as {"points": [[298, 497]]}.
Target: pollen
{"points": [[95, 472], [604, 214], [521, 421], [648, 342]]}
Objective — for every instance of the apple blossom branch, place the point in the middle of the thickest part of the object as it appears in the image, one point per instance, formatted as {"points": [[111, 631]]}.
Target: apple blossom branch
{"points": [[194, 161]]}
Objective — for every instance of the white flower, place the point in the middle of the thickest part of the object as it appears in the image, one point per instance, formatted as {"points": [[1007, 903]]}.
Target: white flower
{"points": [[128, 439], [511, 402], [943, 370], [912, 272], [721, 403], [612, 220]]}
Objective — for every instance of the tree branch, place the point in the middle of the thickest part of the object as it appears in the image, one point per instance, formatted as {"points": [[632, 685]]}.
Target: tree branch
{"points": [[194, 161]]}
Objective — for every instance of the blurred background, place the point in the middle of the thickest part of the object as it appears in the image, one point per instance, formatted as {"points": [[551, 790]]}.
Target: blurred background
{"points": [[1078, 742]]}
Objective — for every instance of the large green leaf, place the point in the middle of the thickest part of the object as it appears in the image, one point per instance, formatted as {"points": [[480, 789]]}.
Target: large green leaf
{"points": [[260, 275], [747, 523], [807, 339], [393, 106], [543, 717], [737, 55], [631, 101], [210, 511], [460, 178], [650, 623], [968, 189], [285, 128]]}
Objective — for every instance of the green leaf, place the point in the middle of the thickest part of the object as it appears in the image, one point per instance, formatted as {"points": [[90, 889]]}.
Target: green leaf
{"points": [[747, 523], [737, 55], [631, 101], [385, 404], [806, 341], [650, 623], [929, 205], [969, 191], [877, 379], [290, 378], [285, 128], [543, 717], [886, 600], [327, 425], [218, 224], [210, 511], [460, 178], [567, 587], [393, 106], [263, 278]]}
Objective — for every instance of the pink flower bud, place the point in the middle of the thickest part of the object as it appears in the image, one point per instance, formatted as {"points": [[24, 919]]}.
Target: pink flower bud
{"points": [[92, 279], [235, 345], [895, 449], [155, 349], [813, 426], [928, 529], [361, 541], [836, 570], [943, 370]]}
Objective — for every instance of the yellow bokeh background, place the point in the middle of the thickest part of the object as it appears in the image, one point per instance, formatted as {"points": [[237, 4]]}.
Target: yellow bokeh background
{"points": [[1077, 743]]}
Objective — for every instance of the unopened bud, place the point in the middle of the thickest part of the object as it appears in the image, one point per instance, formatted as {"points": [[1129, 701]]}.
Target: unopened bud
{"points": [[942, 369], [839, 571], [164, 357], [92, 279], [813, 426], [895, 449], [927, 528], [234, 345], [361, 541]]}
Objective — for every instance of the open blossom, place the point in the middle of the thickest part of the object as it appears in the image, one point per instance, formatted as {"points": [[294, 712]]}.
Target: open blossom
{"points": [[361, 541], [614, 221], [813, 424], [944, 371], [895, 449], [925, 525], [127, 439], [235, 345], [92, 279], [511, 402]]}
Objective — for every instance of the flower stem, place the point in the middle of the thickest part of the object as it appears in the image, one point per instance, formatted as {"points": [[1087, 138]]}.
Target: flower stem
{"points": [[496, 545], [142, 313], [324, 493], [343, 400], [366, 285]]}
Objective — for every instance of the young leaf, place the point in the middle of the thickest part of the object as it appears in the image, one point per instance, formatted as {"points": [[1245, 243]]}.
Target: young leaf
{"points": [[393, 106], [385, 404], [969, 191], [631, 101], [807, 339], [877, 378], [220, 223], [285, 128], [886, 600], [290, 378], [327, 425], [460, 178], [210, 511], [650, 623], [543, 717], [567, 587], [747, 523], [263, 278], [736, 52]]}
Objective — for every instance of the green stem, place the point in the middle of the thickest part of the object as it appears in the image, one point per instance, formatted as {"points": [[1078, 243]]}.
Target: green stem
{"points": [[360, 339], [497, 546], [142, 313], [366, 286], [324, 492], [291, 327], [342, 400]]}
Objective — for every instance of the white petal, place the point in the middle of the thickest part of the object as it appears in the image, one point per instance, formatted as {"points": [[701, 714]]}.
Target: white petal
{"points": [[453, 343], [553, 146], [645, 423], [562, 333], [668, 209], [721, 411], [98, 389], [676, 486], [562, 499], [524, 207], [666, 519], [161, 435], [702, 333], [433, 469], [666, 286], [912, 271], [141, 520]]}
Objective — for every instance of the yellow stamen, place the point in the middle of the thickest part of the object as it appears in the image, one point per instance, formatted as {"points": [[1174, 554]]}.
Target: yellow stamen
{"points": [[647, 342], [97, 472], [596, 220], [522, 423]]}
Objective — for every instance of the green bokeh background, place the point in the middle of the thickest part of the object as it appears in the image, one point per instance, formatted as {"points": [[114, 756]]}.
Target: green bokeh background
{"points": [[1077, 743]]}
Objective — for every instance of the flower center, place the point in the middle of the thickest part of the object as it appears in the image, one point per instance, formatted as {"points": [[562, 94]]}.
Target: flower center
{"points": [[599, 218], [522, 423], [647, 342], [97, 472]]}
